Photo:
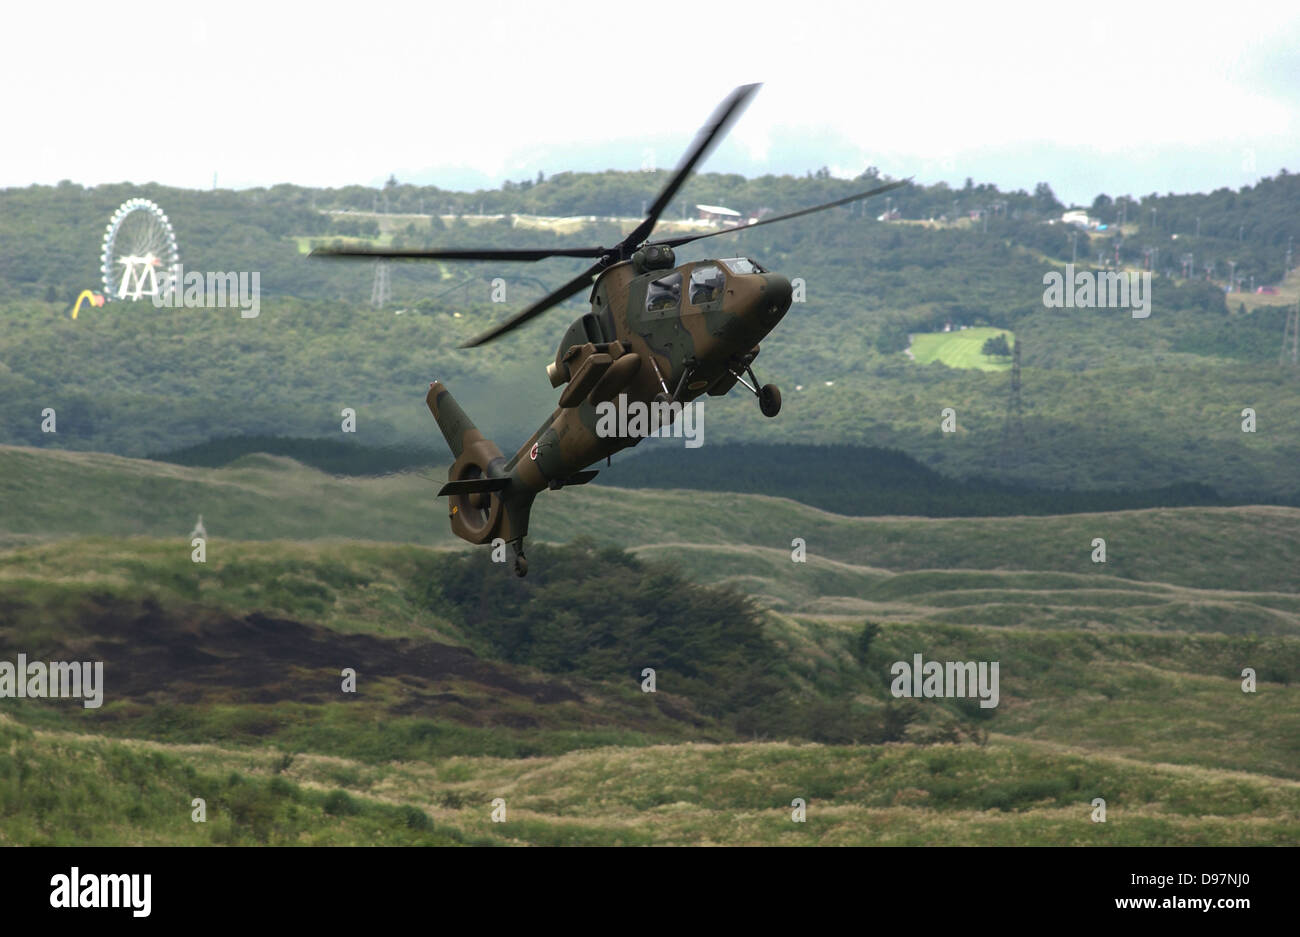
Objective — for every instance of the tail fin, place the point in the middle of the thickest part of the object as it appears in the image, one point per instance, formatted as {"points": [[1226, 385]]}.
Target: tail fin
{"points": [[485, 503], [457, 428]]}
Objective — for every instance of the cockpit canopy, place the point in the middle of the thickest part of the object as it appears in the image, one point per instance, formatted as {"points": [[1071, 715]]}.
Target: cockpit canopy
{"points": [[664, 297], [707, 284]]}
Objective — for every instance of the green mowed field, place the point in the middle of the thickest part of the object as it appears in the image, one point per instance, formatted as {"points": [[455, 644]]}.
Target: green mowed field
{"points": [[960, 349]]}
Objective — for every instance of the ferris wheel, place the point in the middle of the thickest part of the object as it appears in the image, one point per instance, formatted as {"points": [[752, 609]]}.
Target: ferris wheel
{"points": [[139, 251]]}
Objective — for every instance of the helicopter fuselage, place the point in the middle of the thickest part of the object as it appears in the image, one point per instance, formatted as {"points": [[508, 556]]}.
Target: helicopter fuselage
{"points": [[681, 332], [658, 336]]}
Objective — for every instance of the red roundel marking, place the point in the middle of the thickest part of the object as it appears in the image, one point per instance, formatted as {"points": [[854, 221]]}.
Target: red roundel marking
{"points": [[532, 453]]}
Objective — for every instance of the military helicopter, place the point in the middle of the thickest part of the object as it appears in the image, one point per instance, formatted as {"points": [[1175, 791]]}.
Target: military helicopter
{"points": [[658, 333]]}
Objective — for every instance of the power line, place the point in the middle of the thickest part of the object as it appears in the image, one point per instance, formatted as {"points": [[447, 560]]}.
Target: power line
{"points": [[380, 292], [1291, 333], [1012, 443]]}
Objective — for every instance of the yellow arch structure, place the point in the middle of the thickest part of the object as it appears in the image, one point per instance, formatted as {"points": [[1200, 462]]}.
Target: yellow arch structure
{"points": [[95, 300]]}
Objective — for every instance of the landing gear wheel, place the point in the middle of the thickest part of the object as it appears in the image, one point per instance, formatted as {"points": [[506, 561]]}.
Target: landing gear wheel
{"points": [[769, 400]]}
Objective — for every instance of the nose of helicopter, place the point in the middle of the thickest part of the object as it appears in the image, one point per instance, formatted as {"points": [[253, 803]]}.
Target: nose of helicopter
{"points": [[775, 295]]}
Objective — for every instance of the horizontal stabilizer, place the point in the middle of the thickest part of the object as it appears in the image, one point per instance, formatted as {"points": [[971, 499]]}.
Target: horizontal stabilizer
{"points": [[577, 478], [473, 486]]}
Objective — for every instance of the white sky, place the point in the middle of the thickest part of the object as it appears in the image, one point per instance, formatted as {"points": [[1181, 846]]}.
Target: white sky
{"points": [[1115, 97]]}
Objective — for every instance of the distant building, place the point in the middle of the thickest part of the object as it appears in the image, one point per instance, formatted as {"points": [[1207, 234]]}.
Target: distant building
{"points": [[1079, 218], [726, 217]]}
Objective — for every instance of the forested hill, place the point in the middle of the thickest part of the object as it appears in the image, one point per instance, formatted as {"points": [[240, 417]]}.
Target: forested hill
{"points": [[50, 235], [1110, 402], [855, 480]]}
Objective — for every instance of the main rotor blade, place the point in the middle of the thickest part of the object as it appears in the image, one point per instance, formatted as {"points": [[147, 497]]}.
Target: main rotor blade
{"points": [[716, 127], [575, 286], [687, 238], [525, 254]]}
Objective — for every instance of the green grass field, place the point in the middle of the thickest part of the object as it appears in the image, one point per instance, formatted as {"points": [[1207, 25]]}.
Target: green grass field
{"points": [[1154, 723], [47, 495], [1119, 680], [960, 349], [1006, 792]]}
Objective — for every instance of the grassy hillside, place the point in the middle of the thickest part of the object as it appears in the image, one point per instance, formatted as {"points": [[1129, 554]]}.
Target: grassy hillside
{"points": [[1006, 793], [864, 481], [444, 721], [856, 480], [223, 680], [55, 494]]}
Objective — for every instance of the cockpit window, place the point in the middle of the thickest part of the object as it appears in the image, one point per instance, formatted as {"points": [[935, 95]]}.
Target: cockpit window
{"points": [[707, 283], [664, 295], [743, 265]]}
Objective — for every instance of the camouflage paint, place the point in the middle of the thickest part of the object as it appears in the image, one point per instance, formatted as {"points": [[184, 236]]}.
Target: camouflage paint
{"points": [[647, 353]]}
